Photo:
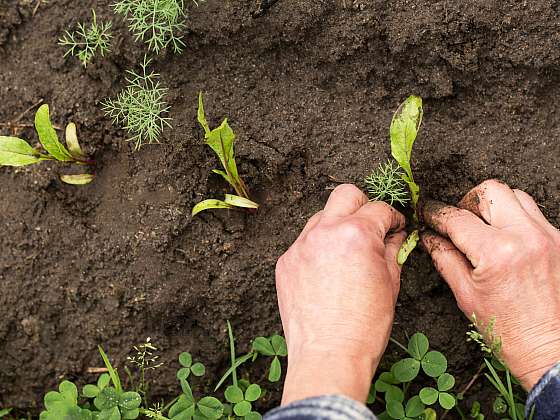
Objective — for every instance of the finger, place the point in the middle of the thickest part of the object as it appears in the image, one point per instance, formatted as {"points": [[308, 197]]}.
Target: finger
{"points": [[495, 202], [452, 266], [385, 217], [532, 209], [467, 232], [344, 201], [312, 222], [393, 243]]}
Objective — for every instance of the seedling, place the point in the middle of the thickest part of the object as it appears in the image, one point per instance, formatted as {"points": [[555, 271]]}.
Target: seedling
{"points": [[242, 400], [86, 42], [18, 152], [274, 347], [110, 401], [139, 108], [396, 383], [145, 359], [382, 185], [221, 140], [156, 22]]}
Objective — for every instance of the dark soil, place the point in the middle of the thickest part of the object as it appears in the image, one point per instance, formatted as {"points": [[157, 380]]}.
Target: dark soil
{"points": [[309, 87]]}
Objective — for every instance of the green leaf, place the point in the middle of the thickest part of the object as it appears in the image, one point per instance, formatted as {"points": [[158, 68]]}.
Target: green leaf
{"points": [[253, 393], [371, 395], [408, 246], [394, 393], [185, 359], [106, 399], [210, 204], [112, 372], [445, 382], [16, 152], [183, 409], [406, 370], [418, 345], [275, 371], [201, 116], [253, 415], [430, 414], [90, 391], [279, 345], [110, 414], [130, 400], [395, 409], [81, 179], [447, 401], [48, 136], [183, 373], [224, 175], [237, 201], [242, 408], [72, 141], [385, 381], [198, 369], [103, 380], [238, 362], [130, 414], [211, 408], [414, 407], [434, 364], [233, 394], [5, 411], [221, 141], [404, 129], [263, 346], [428, 395]]}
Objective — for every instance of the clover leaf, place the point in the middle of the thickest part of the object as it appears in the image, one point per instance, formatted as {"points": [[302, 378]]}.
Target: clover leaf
{"points": [[433, 363], [413, 408], [430, 395], [242, 401], [187, 407], [197, 369], [64, 404], [274, 346]]}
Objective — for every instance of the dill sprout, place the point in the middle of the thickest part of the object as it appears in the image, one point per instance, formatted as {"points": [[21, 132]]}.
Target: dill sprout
{"points": [[386, 184], [85, 42], [139, 108], [156, 22]]}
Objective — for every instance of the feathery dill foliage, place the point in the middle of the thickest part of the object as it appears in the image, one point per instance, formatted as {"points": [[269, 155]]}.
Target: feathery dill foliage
{"points": [[386, 184], [156, 22], [139, 108], [85, 42]]}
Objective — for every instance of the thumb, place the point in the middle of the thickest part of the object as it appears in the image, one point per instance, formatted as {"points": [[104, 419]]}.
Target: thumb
{"points": [[453, 266]]}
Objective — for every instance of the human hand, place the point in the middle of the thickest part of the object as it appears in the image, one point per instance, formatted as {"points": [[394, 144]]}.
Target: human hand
{"points": [[337, 286], [501, 258]]}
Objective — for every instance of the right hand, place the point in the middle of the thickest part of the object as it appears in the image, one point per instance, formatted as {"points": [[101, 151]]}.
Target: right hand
{"points": [[501, 258]]}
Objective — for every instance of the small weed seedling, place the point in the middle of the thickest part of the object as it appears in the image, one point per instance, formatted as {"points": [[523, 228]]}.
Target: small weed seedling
{"points": [[18, 152], [396, 384], [86, 42], [221, 140], [144, 359], [382, 184], [156, 22], [140, 107], [110, 400]]}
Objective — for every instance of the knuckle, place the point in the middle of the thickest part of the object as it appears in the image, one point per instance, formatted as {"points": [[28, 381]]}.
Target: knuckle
{"points": [[491, 184], [351, 232], [507, 250]]}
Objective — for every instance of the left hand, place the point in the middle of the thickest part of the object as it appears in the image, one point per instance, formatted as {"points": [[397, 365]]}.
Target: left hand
{"points": [[337, 287]]}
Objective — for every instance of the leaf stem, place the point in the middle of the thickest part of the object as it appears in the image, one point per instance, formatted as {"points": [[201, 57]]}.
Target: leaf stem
{"points": [[232, 353]]}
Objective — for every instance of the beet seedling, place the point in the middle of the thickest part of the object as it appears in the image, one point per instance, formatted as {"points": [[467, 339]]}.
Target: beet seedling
{"points": [[382, 184], [18, 152], [221, 140]]}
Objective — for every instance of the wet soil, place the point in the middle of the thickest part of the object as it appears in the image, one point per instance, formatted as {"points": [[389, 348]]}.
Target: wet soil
{"points": [[309, 87]]}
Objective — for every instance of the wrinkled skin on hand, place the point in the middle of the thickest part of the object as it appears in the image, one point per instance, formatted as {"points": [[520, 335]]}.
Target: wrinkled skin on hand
{"points": [[501, 258], [337, 287]]}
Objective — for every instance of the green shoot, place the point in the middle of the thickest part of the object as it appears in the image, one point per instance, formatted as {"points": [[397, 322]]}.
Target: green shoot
{"points": [[139, 107], [85, 42], [145, 359], [395, 384], [386, 184], [221, 140], [18, 152], [156, 22]]}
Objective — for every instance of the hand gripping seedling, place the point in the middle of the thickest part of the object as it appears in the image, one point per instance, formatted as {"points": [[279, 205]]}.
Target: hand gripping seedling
{"points": [[18, 152], [221, 140], [387, 182]]}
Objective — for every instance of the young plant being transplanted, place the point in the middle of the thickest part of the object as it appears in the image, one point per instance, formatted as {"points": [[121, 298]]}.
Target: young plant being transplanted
{"points": [[18, 152], [221, 140], [84, 43], [388, 183]]}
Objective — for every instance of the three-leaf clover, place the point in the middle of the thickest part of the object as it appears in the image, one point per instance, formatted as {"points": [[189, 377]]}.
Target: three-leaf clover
{"points": [[433, 363], [64, 404], [274, 346], [430, 395], [113, 404], [197, 369], [187, 407], [396, 410], [242, 401]]}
